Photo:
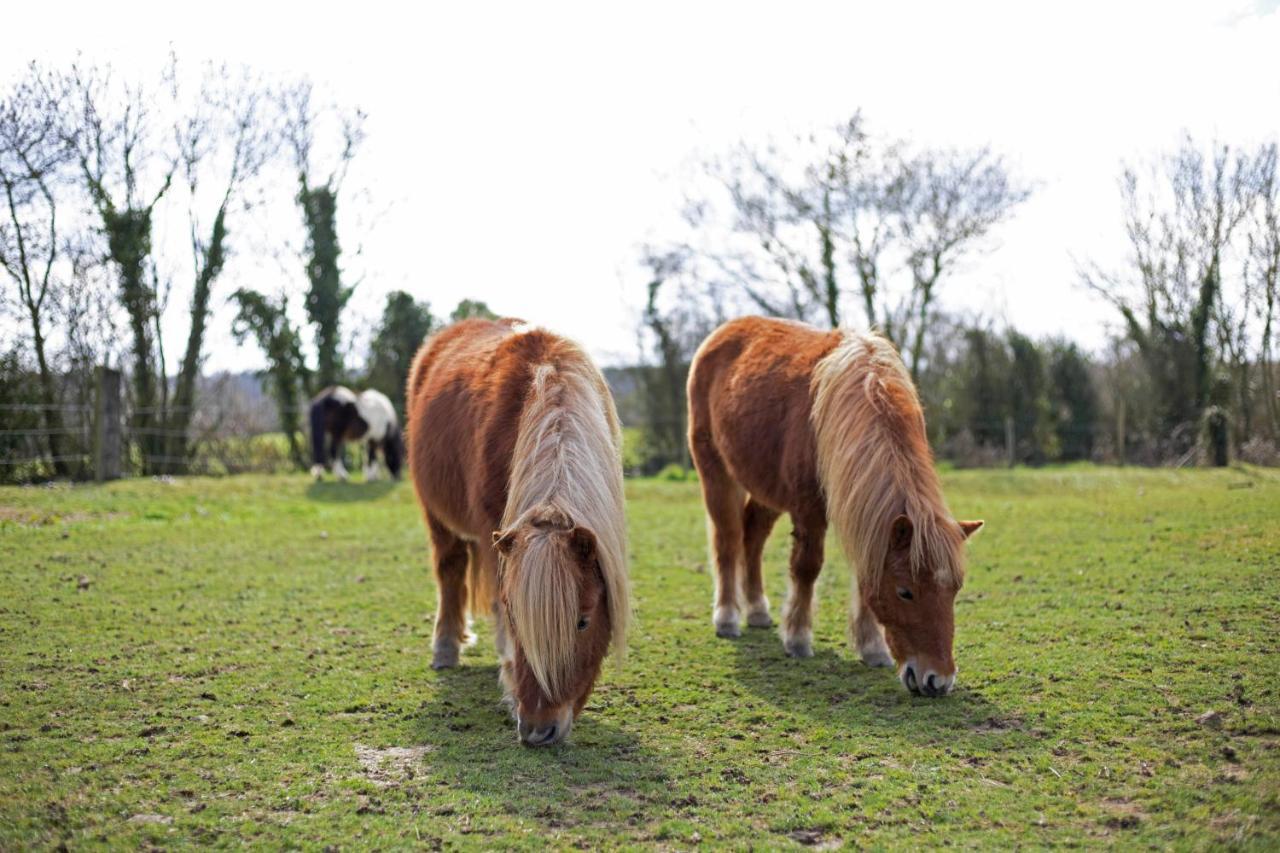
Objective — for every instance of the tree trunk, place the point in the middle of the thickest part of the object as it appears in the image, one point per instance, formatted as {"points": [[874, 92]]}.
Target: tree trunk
{"points": [[184, 398]]}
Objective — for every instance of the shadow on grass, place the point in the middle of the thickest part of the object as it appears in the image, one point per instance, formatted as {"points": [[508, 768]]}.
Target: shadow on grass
{"points": [[335, 492], [835, 687], [470, 738]]}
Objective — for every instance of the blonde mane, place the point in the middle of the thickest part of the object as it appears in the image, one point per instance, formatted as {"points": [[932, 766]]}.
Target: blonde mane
{"points": [[566, 473], [874, 461]]}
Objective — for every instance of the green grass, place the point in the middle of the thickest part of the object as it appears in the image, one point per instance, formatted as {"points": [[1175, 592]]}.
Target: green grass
{"points": [[221, 661]]}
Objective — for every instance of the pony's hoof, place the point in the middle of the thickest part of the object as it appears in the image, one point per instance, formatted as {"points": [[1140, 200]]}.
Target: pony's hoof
{"points": [[726, 621], [798, 647], [760, 618], [876, 657], [728, 630], [317, 471], [445, 657]]}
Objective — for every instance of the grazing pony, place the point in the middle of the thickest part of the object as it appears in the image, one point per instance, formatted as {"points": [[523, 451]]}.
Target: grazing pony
{"points": [[826, 426], [340, 415], [515, 452]]}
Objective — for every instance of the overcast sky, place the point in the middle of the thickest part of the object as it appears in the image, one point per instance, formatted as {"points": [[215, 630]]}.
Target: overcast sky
{"points": [[520, 154]]}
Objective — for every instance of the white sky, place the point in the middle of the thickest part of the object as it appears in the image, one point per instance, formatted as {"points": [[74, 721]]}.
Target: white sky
{"points": [[520, 155]]}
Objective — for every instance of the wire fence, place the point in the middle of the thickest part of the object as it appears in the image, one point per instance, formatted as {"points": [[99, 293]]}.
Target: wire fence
{"points": [[109, 438]]}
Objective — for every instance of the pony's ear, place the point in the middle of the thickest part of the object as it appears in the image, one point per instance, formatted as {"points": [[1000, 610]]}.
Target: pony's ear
{"points": [[900, 533], [582, 542], [504, 542], [968, 528]]}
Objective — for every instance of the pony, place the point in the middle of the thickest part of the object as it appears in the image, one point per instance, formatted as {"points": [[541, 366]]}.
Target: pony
{"points": [[339, 415], [515, 454], [827, 427]]}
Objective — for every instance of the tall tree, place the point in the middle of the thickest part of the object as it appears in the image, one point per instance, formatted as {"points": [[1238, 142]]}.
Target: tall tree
{"points": [[126, 168], [1073, 400], [318, 192], [226, 140], [31, 162], [1263, 276], [1180, 215], [949, 203], [844, 215], [468, 308], [405, 324], [267, 322]]}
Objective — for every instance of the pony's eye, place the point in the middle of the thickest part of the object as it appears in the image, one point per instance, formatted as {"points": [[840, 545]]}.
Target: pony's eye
{"points": [[582, 623], [905, 594]]}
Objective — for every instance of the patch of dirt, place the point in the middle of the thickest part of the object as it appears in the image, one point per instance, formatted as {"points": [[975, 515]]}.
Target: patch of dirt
{"points": [[815, 838], [162, 819], [386, 767], [1125, 813], [997, 724]]}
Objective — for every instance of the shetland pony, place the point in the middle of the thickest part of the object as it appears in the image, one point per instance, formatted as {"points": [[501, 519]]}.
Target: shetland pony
{"points": [[514, 449], [340, 415], [826, 426]]}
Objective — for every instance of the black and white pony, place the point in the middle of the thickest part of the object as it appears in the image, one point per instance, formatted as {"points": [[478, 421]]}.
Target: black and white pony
{"points": [[339, 415]]}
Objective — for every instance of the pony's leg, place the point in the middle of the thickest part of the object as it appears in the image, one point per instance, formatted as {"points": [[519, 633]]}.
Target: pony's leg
{"points": [[339, 470], [757, 522], [724, 499], [806, 564], [371, 463], [867, 634], [449, 554]]}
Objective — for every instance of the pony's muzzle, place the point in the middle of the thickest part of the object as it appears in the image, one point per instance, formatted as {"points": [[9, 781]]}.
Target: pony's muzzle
{"points": [[923, 681], [544, 734]]}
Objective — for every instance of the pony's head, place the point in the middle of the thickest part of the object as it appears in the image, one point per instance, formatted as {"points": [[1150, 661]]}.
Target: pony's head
{"points": [[913, 598], [553, 595]]}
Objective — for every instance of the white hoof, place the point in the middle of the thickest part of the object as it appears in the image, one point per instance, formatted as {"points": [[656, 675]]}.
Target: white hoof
{"points": [[758, 615], [340, 471], [726, 622], [317, 471], [370, 473], [799, 645], [877, 659]]}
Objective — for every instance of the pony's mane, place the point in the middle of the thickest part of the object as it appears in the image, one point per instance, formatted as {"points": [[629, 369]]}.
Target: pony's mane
{"points": [[875, 463], [566, 472]]}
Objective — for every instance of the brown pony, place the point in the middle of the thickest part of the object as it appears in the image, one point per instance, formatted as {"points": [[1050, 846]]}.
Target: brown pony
{"points": [[826, 426], [514, 446]]}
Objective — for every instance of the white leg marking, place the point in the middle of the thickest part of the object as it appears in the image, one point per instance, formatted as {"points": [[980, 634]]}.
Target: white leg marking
{"points": [[317, 471], [758, 614], [726, 622], [339, 470]]}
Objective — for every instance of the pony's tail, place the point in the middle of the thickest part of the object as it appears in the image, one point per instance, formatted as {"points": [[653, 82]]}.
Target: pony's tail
{"points": [[482, 583], [317, 429]]}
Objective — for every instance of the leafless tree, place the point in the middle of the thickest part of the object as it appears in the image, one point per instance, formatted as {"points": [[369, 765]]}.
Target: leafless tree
{"points": [[32, 161], [1263, 275], [1180, 215], [224, 140], [126, 166], [854, 217]]}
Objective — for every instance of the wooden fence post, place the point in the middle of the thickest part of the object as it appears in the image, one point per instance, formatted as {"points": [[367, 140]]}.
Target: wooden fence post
{"points": [[107, 432], [1009, 445]]}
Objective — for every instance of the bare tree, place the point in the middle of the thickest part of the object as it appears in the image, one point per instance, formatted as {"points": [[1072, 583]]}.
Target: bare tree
{"points": [[1263, 275], [327, 296], [126, 168], [1180, 214], [949, 201], [31, 162], [855, 217], [225, 140]]}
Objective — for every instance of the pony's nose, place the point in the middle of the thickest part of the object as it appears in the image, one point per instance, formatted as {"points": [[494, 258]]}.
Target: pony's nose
{"points": [[539, 736], [937, 685]]}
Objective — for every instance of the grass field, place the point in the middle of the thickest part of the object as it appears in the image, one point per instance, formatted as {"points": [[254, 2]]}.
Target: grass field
{"points": [[218, 661]]}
